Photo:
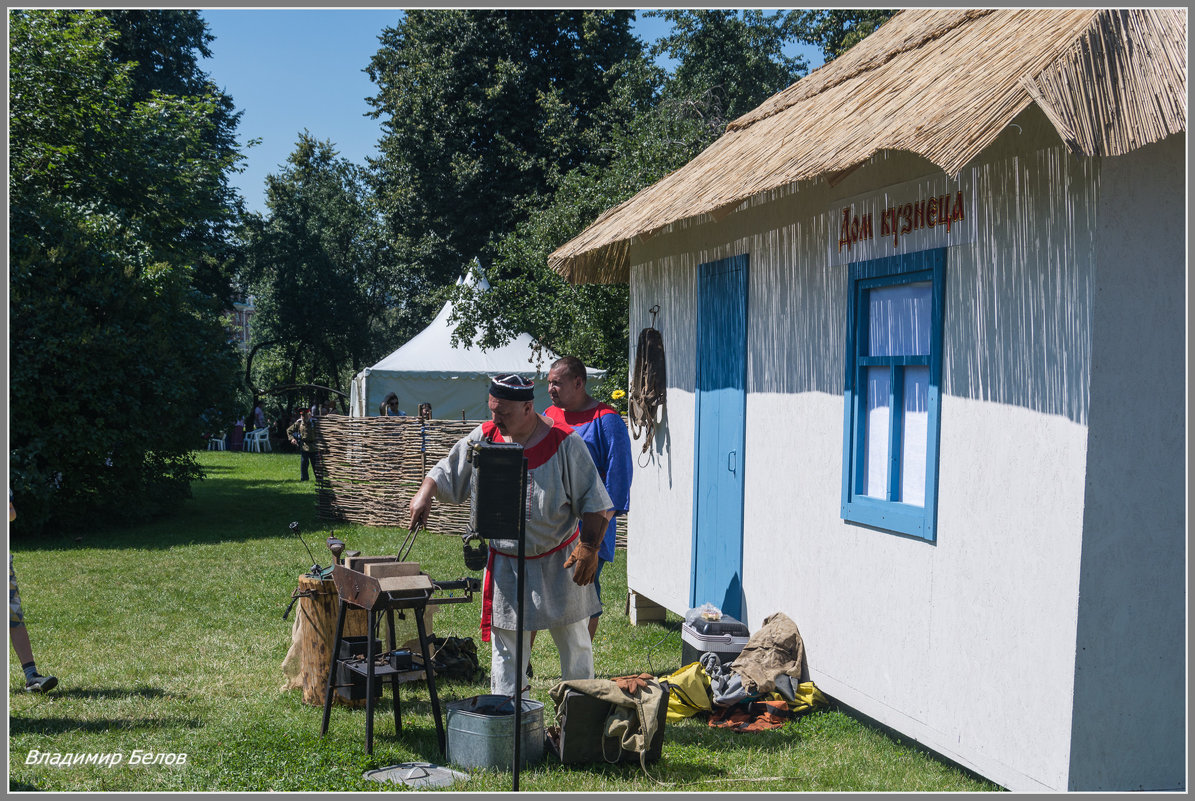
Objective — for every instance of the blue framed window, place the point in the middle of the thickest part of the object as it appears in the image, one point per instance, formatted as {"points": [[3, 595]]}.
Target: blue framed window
{"points": [[893, 397]]}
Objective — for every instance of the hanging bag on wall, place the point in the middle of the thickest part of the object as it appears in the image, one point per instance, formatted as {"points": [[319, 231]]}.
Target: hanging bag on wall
{"points": [[649, 385]]}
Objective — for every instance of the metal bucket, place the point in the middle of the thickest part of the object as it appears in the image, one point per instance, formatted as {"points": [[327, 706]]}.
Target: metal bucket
{"points": [[480, 732]]}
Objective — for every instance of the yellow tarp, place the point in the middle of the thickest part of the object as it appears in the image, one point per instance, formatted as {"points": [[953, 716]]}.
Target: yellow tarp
{"points": [[690, 692], [806, 696]]}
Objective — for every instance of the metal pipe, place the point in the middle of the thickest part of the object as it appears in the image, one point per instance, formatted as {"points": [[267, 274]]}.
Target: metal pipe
{"points": [[315, 568], [520, 574]]}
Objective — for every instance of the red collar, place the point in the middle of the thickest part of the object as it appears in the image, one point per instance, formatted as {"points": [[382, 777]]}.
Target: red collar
{"points": [[580, 418], [538, 453]]}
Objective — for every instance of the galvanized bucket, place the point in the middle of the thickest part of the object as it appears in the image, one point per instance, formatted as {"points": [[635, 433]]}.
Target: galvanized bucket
{"points": [[480, 732]]}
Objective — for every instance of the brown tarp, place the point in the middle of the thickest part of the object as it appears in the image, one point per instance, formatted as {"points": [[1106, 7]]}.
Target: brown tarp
{"points": [[775, 648]]}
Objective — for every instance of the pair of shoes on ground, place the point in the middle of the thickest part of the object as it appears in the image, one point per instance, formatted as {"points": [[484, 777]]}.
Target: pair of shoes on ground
{"points": [[40, 684]]}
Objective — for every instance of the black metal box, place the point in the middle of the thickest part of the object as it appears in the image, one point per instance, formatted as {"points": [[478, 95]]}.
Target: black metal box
{"points": [[350, 684], [354, 647], [399, 660], [497, 490]]}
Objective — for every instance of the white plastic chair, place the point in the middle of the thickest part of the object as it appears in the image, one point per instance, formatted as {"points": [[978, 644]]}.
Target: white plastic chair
{"points": [[217, 443], [251, 442], [258, 441]]}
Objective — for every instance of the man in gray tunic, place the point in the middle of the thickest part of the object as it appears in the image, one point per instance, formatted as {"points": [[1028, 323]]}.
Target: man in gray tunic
{"points": [[564, 488]]}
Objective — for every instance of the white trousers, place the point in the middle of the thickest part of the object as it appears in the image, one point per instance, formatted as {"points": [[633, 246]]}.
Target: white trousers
{"points": [[572, 640]]}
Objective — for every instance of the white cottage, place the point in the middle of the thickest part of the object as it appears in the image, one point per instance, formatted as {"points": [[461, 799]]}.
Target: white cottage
{"points": [[925, 331]]}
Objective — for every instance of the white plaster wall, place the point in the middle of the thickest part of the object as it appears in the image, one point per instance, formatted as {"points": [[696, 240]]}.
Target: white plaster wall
{"points": [[662, 487], [966, 644], [1130, 675]]}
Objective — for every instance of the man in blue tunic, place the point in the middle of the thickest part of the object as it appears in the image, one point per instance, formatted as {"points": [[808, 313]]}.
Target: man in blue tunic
{"points": [[601, 427]]}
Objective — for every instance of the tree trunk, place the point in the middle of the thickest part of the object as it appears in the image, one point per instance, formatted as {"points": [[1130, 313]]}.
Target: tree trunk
{"points": [[312, 637]]}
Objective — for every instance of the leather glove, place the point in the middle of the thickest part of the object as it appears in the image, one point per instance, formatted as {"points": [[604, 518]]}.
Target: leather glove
{"points": [[631, 685], [585, 557]]}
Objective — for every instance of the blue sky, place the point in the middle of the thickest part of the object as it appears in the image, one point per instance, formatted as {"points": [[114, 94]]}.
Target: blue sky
{"points": [[290, 70]]}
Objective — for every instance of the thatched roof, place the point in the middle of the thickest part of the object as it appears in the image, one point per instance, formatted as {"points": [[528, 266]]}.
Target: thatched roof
{"points": [[939, 83]]}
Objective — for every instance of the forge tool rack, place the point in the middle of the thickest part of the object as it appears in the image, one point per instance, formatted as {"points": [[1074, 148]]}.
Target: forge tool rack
{"points": [[363, 591]]}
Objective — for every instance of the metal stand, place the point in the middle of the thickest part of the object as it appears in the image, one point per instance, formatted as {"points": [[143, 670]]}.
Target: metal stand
{"points": [[362, 591], [499, 511]]}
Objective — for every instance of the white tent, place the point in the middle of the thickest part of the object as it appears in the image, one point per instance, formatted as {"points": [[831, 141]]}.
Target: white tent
{"points": [[454, 380]]}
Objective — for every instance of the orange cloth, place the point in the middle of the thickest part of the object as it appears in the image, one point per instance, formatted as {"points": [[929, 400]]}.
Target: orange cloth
{"points": [[754, 716]]}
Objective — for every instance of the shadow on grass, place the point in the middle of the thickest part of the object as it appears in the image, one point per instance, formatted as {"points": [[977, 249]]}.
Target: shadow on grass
{"points": [[117, 693], [662, 625], [48, 726], [417, 740], [411, 707], [687, 756], [229, 509], [704, 736], [693, 755]]}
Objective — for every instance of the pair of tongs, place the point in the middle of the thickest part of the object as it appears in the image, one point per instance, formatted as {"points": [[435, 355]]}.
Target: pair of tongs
{"points": [[405, 548]]}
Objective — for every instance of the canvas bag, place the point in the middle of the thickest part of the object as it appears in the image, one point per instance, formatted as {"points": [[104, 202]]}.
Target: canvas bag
{"points": [[597, 721], [453, 658]]}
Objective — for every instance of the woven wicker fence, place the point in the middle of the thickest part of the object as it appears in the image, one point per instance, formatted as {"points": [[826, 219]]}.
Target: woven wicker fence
{"points": [[370, 467]]}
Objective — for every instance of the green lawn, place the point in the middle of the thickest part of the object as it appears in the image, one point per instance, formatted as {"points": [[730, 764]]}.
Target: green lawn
{"points": [[168, 639]]}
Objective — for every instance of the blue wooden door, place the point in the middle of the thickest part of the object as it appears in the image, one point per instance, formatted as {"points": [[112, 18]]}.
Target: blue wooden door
{"points": [[721, 416]]}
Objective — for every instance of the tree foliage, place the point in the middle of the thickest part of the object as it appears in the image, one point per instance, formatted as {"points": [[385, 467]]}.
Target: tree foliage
{"points": [[162, 49], [481, 109], [505, 134], [116, 345], [728, 64], [837, 30], [476, 162], [732, 60], [319, 271]]}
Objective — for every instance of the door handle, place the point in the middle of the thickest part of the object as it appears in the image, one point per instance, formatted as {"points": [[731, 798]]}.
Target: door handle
{"points": [[731, 461]]}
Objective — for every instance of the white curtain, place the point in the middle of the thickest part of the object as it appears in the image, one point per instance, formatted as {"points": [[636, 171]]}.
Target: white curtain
{"points": [[875, 459], [899, 324], [914, 436], [899, 320]]}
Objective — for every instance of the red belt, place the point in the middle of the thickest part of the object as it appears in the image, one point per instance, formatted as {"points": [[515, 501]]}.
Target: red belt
{"points": [[487, 589]]}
